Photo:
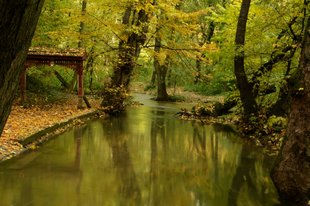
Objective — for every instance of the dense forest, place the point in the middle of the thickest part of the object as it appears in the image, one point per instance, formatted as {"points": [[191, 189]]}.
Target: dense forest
{"points": [[193, 44], [253, 53]]}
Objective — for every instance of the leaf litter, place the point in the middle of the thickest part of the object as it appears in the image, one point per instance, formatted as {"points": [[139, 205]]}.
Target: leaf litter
{"points": [[24, 122]]}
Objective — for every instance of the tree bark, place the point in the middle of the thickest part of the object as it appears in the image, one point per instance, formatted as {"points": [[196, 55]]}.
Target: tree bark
{"points": [[291, 169], [161, 70], [17, 27], [129, 50], [245, 88]]}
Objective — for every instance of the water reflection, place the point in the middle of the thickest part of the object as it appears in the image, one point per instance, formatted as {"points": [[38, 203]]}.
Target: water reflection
{"points": [[144, 157], [129, 190]]}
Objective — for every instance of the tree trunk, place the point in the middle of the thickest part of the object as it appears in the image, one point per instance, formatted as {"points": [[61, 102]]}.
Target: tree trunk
{"points": [[73, 83], [162, 94], [153, 78], [82, 24], [129, 51], [161, 71], [291, 169], [246, 90], [65, 83], [198, 69], [17, 27]]}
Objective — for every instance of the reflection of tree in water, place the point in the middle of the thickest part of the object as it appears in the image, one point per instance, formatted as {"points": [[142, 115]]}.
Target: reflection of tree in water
{"points": [[158, 129], [199, 148], [199, 140], [247, 175], [77, 162], [242, 175], [154, 184], [26, 196], [122, 162], [224, 130], [29, 175]]}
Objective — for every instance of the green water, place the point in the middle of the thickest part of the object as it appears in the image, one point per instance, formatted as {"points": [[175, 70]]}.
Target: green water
{"points": [[146, 157]]}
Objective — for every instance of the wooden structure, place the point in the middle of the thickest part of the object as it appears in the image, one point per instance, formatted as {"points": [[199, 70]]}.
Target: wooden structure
{"points": [[69, 57]]}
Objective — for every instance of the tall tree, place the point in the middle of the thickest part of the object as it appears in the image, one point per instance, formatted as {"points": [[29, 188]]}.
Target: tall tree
{"points": [[161, 66], [291, 169], [245, 88], [17, 26], [136, 19], [80, 44]]}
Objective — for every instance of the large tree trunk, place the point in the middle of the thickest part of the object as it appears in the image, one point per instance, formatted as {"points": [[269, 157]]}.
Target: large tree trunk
{"points": [[162, 94], [17, 27], [129, 51], [161, 71], [291, 169], [246, 90]]}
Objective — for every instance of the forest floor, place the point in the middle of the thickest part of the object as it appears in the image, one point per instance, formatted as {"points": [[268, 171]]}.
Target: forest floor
{"points": [[24, 122]]}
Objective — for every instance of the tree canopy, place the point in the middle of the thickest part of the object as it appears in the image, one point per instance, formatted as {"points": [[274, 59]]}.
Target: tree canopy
{"points": [[251, 52]]}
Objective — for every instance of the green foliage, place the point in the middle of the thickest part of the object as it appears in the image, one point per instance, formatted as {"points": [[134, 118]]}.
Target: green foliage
{"points": [[177, 98], [114, 98], [220, 83], [184, 39], [144, 71], [41, 80], [278, 123], [42, 86], [149, 87]]}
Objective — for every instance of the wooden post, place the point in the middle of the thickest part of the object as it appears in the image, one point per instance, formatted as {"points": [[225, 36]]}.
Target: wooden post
{"points": [[23, 88], [80, 92]]}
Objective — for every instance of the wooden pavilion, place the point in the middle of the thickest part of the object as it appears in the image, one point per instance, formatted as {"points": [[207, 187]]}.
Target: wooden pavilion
{"points": [[69, 57]]}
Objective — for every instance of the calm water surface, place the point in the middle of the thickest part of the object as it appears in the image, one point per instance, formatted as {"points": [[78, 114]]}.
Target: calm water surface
{"points": [[146, 156]]}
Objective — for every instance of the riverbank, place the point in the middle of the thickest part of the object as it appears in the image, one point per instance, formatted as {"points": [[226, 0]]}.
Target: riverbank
{"points": [[178, 92], [25, 128], [265, 133]]}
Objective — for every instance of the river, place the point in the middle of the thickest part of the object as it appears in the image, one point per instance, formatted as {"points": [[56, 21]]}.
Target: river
{"points": [[143, 157]]}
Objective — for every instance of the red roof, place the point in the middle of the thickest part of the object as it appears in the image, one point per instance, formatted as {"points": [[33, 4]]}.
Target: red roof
{"points": [[57, 52]]}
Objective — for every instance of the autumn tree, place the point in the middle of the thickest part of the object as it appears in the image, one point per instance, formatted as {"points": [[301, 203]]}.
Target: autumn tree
{"points": [[17, 27], [173, 41], [291, 169], [161, 67], [246, 90], [136, 22]]}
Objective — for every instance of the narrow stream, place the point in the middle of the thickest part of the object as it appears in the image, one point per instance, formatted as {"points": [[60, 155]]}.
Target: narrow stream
{"points": [[146, 157]]}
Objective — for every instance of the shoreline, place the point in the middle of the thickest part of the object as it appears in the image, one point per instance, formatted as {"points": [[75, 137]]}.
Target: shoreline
{"points": [[32, 141]]}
